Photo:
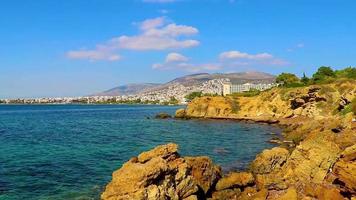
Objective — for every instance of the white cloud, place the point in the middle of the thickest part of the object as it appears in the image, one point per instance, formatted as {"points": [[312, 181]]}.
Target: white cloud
{"points": [[176, 61], [155, 34], [93, 55], [238, 58], [144, 42], [152, 23], [227, 61], [176, 57], [241, 55]]}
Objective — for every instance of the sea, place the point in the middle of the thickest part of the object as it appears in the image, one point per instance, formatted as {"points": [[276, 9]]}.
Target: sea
{"points": [[70, 151]]}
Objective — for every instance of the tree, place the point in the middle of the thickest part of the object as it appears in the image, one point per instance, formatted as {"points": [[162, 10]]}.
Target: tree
{"points": [[287, 78], [349, 72], [193, 95], [305, 79], [323, 74]]}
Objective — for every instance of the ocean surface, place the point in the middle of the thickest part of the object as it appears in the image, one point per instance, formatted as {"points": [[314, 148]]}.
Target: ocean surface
{"points": [[70, 151]]}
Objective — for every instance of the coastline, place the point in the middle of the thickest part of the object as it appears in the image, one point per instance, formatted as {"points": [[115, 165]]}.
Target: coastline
{"points": [[320, 163]]}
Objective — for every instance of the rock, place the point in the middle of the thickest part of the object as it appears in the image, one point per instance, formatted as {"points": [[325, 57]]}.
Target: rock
{"points": [[214, 107], [180, 113], [291, 194], [271, 181], [269, 160], [266, 165], [162, 174], [251, 194], [204, 172], [235, 179], [312, 158], [345, 170], [320, 191], [163, 151], [163, 115], [191, 197], [296, 103], [275, 141], [226, 194]]}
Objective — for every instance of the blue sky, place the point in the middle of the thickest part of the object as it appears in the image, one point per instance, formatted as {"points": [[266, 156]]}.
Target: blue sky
{"points": [[71, 48]]}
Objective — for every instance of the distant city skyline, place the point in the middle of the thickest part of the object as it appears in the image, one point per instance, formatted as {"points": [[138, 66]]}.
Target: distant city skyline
{"points": [[75, 48]]}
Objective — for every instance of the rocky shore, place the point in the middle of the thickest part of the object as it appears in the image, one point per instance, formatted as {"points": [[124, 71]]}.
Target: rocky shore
{"points": [[319, 162]]}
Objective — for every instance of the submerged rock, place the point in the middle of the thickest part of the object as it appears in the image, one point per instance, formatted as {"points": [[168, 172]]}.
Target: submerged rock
{"points": [[163, 115]]}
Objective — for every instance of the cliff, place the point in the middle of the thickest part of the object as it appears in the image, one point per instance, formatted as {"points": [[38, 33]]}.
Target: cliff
{"points": [[317, 160]]}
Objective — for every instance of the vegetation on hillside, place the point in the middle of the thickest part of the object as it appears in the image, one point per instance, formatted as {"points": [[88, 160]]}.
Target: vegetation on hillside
{"points": [[189, 97], [323, 75], [250, 93]]}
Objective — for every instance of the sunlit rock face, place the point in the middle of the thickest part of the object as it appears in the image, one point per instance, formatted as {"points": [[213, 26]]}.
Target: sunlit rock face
{"points": [[162, 174]]}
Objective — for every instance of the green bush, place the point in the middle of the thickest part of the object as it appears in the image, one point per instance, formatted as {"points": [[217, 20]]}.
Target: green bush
{"points": [[251, 93], [235, 107], [294, 85], [349, 72], [287, 78], [193, 95], [324, 75]]}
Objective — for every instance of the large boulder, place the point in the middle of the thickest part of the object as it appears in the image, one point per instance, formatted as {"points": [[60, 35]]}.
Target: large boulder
{"points": [[160, 174]]}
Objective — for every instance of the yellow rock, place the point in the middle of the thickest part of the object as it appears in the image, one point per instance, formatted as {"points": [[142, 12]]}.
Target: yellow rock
{"points": [[235, 179]]}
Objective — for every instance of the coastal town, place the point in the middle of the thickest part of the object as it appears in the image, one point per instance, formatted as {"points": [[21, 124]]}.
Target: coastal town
{"points": [[173, 94]]}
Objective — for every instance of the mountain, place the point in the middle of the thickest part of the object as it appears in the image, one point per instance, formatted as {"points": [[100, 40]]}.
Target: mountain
{"points": [[128, 89], [234, 77], [189, 80]]}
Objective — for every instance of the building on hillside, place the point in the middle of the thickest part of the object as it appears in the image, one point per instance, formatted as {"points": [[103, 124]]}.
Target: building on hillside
{"points": [[230, 88]]}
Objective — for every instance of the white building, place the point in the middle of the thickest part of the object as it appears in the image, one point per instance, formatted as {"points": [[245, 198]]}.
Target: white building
{"points": [[230, 88]]}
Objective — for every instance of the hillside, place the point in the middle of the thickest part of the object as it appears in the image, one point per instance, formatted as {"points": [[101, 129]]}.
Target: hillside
{"points": [[189, 80], [129, 89]]}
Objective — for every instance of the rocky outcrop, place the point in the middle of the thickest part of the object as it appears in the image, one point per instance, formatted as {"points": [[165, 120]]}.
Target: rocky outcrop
{"points": [[162, 174], [315, 102], [319, 161], [270, 160], [180, 113], [345, 171], [213, 107]]}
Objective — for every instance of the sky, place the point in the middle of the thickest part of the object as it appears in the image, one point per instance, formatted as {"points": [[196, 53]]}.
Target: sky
{"points": [[52, 48]]}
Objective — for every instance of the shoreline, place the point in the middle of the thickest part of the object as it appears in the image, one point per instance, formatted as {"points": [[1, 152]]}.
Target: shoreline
{"points": [[317, 162]]}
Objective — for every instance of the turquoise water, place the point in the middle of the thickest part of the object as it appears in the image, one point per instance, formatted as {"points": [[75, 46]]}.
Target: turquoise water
{"points": [[70, 151]]}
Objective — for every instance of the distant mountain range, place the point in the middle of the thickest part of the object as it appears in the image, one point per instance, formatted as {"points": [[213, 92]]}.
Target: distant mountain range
{"points": [[128, 89], [193, 79]]}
